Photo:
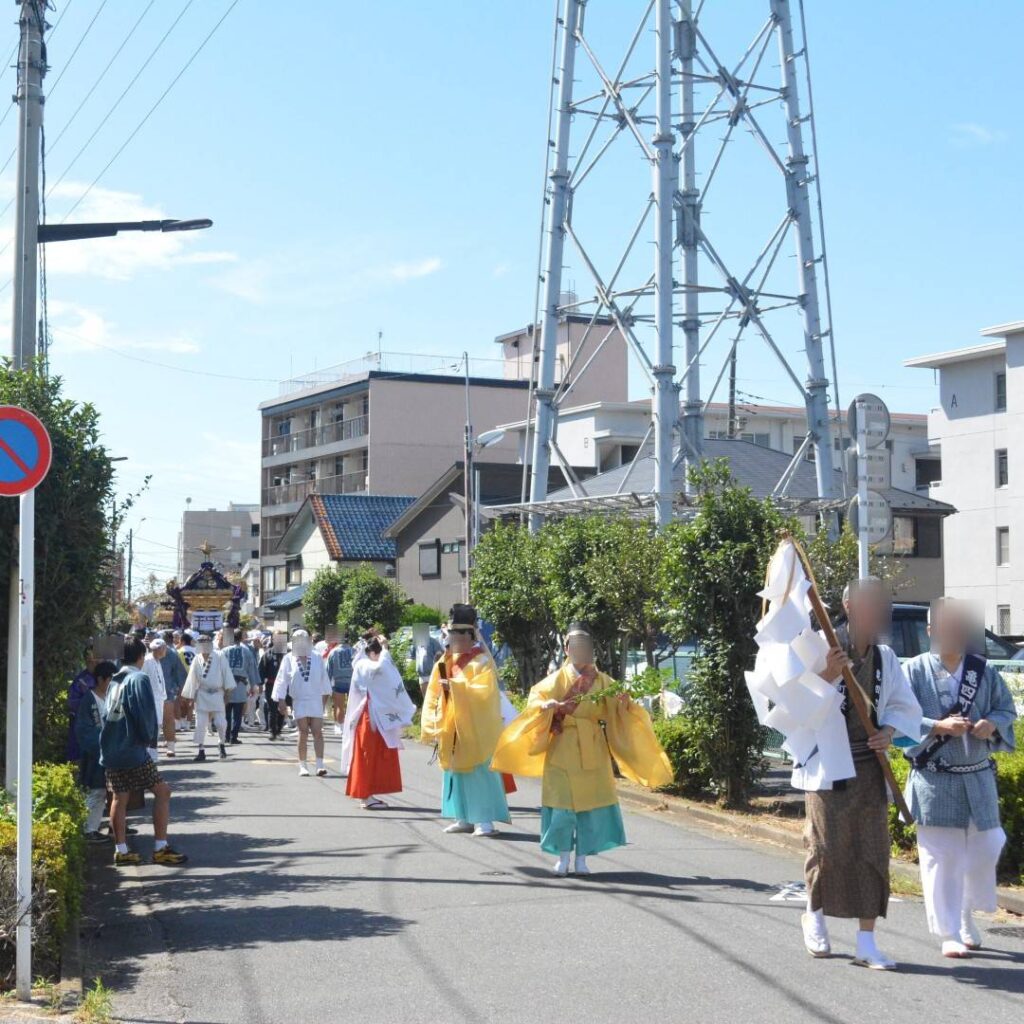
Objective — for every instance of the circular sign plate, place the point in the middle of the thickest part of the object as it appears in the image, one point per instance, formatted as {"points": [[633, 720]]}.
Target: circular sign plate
{"points": [[25, 451], [878, 422], [879, 517]]}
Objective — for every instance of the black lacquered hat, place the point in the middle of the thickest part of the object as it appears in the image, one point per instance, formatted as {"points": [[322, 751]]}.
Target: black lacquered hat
{"points": [[462, 615]]}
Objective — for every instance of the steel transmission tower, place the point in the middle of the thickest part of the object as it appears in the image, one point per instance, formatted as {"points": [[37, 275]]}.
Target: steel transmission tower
{"points": [[697, 291]]}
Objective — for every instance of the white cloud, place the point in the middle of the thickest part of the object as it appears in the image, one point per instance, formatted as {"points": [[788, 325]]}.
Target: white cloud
{"points": [[80, 329], [124, 256], [970, 133], [501, 269], [420, 268]]}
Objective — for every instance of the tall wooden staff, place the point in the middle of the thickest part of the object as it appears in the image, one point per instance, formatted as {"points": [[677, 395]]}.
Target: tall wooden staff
{"points": [[857, 697]]}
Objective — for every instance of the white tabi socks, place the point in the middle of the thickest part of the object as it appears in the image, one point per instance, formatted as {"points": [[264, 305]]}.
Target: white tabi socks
{"points": [[581, 865], [969, 934], [869, 955], [562, 865], [815, 933]]}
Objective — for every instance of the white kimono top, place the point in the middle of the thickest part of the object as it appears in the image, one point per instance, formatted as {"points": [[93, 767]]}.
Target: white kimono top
{"points": [[897, 707], [208, 682], [306, 691], [378, 684]]}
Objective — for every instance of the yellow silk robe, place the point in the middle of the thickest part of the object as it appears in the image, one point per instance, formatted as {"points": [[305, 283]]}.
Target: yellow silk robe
{"points": [[575, 764], [466, 722]]}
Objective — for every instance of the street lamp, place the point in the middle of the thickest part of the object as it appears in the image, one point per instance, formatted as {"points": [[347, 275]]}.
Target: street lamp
{"points": [[107, 229]]}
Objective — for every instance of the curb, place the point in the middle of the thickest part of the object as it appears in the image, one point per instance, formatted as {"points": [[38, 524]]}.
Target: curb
{"points": [[71, 966], [1009, 899]]}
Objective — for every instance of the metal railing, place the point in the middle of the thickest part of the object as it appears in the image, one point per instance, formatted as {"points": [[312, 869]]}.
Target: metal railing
{"points": [[315, 437], [344, 483]]}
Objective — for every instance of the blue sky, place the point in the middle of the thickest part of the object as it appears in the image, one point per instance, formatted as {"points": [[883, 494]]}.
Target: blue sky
{"points": [[376, 167]]}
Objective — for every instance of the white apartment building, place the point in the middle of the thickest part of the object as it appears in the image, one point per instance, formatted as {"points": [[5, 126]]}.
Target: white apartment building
{"points": [[978, 427], [600, 436]]}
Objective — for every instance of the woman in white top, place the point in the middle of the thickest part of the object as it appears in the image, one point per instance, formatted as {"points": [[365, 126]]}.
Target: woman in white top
{"points": [[302, 677]]}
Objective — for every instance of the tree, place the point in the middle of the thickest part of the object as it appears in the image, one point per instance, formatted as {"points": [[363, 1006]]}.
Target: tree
{"points": [[509, 589], [73, 545], [323, 597], [370, 600], [713, 567]]}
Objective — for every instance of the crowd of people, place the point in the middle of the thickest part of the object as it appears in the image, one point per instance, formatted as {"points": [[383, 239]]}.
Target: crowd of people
{"points": [[948, 709]]}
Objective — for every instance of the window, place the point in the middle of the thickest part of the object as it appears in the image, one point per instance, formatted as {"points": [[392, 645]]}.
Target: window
{"points": [[293, 575], [629, 453], [1003, 625], [430, 559], [1000, 392], [927, 471], [254, 554], [462, 551], [254, 530], [365, 459], [284, 428], [1002, 545], [762, 440], [917, 536], [273, 578], [1002, 468], [366, 405]]}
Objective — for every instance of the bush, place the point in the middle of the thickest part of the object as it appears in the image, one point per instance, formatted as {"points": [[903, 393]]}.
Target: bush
{"points": [[402, 655], [676, 737], [413, 613], [323, 597], [370, 600], [58, 864]]}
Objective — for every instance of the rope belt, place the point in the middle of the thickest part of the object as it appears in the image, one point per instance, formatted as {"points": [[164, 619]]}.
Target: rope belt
{"points": [[937, 765]]}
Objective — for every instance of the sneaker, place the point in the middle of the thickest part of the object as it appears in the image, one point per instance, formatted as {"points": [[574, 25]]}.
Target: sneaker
{"points": [[98, 838], [125, 859], [321, 773], [338, 731], [201, 756], [170, 752], [168, 855], [459, 827], [815, 935], [303, 770], [223, 752]]}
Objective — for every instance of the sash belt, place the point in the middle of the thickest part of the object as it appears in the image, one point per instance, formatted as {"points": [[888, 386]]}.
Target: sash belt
{"points": [[934, 766]]}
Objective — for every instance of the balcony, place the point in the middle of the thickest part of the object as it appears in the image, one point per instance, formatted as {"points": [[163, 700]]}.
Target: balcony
{"points": [[345, 483], [316, 437]]}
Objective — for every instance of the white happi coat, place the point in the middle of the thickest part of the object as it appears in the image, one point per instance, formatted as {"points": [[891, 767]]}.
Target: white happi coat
{"points": [[307, 694], [209, 692], [378, 684], [897, 707]]}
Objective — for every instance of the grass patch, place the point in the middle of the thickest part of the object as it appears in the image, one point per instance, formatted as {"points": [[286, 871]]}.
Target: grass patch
{"points": [[97, 1005], [900, 885]]}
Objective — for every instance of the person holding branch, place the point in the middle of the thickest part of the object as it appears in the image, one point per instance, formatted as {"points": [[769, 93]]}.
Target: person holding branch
{"points": [[576, 721]]}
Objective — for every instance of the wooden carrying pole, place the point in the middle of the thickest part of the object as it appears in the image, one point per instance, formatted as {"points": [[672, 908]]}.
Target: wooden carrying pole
{"points": [[853, 689]]}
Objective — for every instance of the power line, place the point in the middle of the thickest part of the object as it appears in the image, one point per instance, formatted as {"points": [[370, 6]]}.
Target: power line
{"points": [[78, 46], [102, 75], [152, 109], [127, 88]]}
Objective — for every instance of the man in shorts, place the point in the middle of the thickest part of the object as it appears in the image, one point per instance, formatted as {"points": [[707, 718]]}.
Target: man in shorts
{"points": [[339, 669], [129, 730]]}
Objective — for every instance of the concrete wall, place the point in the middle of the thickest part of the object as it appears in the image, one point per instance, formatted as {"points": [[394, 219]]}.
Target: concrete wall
{"points": [[229, 531], [969, 432], [417, 429]]}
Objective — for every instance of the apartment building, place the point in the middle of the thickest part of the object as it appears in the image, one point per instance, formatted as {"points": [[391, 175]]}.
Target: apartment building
{"points": [[384, 425], [978, 427], [233, 533]]}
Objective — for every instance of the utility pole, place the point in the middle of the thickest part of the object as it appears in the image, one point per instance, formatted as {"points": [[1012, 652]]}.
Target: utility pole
{"points": [[29, 98], [128, 592]]}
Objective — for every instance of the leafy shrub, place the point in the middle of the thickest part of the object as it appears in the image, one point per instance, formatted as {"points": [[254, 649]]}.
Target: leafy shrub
{"points": [[509, 673], [402, 655], [370, 600], [676, 737], [413, 613]]}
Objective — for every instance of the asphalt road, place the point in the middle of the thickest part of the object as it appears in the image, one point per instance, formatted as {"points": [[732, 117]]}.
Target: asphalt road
{"points": [[298, 907]]}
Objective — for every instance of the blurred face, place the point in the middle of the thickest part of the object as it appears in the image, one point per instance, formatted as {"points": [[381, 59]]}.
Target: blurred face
{"points": [[580, 651], [952, 628], [869, 611], [280, 643], [159, 653], [461, 638], [205, 648], [301, 646]]}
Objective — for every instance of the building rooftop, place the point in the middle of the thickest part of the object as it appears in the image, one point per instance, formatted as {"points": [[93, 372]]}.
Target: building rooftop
{"points": [[958, 355], [353, 524], [753, 466], [288, 599]]}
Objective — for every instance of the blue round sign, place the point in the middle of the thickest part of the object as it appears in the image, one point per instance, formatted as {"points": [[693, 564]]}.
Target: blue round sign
{"points": [[25, 450]]}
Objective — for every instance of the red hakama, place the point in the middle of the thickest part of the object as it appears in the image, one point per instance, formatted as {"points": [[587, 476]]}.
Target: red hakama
{"points": [[375, 766]]}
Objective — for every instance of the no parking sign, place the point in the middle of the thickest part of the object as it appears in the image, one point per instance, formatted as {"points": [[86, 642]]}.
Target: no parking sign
{"points": [[25, 451]]}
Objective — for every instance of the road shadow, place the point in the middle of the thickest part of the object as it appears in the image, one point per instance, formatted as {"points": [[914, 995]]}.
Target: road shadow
{"points": [[974, 972]]}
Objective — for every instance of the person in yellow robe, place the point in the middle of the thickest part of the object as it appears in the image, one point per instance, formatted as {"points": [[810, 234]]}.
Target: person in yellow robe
{"points": [[462, 718], [569, 741]]}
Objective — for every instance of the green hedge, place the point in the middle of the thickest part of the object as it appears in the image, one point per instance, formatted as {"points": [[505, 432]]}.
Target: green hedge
{"points": [[414, 613], [1011, 809], [58, 864], [676, 737]]}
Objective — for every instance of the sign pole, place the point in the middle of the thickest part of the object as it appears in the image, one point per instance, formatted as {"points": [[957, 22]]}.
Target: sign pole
{"points": [[26, 572], [862, 491]]}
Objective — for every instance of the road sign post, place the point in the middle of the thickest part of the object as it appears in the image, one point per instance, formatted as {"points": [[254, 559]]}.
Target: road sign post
{"points": [[869, 422], [25, 453]]}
